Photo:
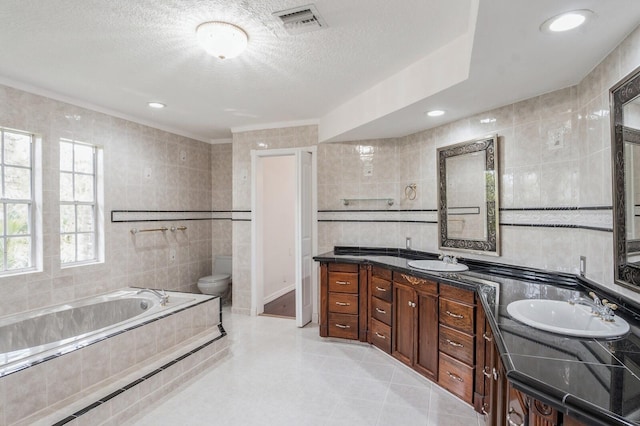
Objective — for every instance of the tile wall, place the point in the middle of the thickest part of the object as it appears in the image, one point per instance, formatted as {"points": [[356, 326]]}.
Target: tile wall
{"points": [[129, 149], [554, 154]]}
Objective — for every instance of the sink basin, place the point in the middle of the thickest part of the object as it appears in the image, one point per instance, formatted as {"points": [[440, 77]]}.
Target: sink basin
{"points": [[563, 318], [438, 266]]}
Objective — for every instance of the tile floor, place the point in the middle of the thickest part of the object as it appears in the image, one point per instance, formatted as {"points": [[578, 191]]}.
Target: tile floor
{"points": [[278, 374]]}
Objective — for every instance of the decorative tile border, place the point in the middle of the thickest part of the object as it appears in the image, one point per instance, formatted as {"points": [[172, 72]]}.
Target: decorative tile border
{"points": [[167, 215], [241, 215], [403, 216]]}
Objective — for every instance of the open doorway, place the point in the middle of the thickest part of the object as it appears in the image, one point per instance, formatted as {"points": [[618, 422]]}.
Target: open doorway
{"points": [[284, 228]]}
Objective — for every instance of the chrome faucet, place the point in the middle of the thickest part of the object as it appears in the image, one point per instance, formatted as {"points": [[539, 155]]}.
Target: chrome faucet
{"points": [[162, 295], [602, 308], [448, 258]]}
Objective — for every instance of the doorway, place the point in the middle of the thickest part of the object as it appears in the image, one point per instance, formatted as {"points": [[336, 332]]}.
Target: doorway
{"points": [[283, 233]]}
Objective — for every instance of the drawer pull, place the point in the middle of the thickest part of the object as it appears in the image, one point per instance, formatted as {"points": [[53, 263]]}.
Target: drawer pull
{"points": [[382, 336], [486, 374], [343, 304], [487, 337], [455, 377], [381, 311], [456, 344], [343, 326], [380, 288], [343, 282], [511, 422], [451, 314]]}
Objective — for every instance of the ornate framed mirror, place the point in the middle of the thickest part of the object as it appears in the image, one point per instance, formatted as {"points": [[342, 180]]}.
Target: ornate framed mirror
{"points": [[468, 196], [625, 152]]}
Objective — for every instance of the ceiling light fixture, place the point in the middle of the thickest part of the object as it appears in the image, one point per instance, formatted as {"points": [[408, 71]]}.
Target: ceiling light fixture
{"points": [[566, 21], [435, 113], [222, 39], [156, 105]]}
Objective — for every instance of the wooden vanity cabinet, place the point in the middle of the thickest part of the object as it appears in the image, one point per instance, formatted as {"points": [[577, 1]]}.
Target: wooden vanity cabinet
{"points": [[415, 323], [380, 309], [457, 341], [343, 306]]}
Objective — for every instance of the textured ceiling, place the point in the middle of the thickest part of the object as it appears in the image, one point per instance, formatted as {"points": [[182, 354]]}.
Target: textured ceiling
{"points": [[117, 55]]}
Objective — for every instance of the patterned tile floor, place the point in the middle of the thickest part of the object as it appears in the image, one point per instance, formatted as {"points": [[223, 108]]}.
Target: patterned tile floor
{"points": [[278, 374]]}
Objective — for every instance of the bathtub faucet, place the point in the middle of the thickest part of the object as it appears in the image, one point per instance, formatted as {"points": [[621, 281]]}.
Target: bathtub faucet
{"points": [[162, 295]]}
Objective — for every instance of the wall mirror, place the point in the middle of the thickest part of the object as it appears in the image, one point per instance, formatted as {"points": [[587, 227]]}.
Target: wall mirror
{"points": [[468, 196], [625, 119]]}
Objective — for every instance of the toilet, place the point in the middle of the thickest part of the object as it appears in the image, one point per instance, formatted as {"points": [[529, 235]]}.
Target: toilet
{"points": [[217, 284]]}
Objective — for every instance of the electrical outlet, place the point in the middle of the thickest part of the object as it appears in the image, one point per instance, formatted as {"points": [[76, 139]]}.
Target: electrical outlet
{"points": [[408, 243], [583, 265]]}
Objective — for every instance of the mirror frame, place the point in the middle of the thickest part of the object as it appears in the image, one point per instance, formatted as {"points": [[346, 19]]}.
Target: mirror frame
{"points": [[491, 245], [625, 91]]}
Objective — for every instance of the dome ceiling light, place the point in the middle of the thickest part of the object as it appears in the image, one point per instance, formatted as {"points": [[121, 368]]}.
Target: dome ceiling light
{"points": [[566, 21], [435, 113], [222, 39]]}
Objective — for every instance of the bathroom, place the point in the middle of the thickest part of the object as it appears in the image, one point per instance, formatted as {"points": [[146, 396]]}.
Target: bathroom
{"points": [[149, 169]]}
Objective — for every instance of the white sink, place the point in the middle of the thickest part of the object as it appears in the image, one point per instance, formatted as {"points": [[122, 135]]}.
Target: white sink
{"points": [[564, 318], [438, 266]]}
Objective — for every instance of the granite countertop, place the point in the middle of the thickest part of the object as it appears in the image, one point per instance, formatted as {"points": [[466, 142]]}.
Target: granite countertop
{"points": [[595, 380]]}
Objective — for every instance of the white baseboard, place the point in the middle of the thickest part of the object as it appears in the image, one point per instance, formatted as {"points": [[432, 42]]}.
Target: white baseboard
{"points": [[279, 293]]}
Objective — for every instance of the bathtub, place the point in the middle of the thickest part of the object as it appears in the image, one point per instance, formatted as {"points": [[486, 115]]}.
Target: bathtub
{"points": [[33, 337]]}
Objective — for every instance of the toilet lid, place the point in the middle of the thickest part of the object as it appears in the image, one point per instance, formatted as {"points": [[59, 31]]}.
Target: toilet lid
{"points": [[215, 277]]}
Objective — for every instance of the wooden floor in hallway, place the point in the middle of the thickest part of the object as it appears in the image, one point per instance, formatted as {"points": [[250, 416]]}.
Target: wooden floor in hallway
{"points": [[283, 306]]}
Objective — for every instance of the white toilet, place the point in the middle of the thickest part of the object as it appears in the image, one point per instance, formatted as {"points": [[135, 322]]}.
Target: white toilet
{"points": [[218, 283]]}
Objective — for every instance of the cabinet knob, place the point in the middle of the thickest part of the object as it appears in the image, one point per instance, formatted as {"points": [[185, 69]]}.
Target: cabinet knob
{"points": [[486, 371], [412, 304]]}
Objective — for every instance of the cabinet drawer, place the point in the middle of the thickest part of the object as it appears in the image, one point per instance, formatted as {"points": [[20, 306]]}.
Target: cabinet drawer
{"points": [[381, 310], [415, 282], [456, 377], [343, 267], [383, 273], [457, 344], [380, 335], [457, 315], [456, 293], [343, 282], [343, 303], [381, 288], [344, 326]]}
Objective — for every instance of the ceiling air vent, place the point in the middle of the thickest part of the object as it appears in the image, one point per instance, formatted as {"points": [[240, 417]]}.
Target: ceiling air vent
{"points": [[302, 19]]}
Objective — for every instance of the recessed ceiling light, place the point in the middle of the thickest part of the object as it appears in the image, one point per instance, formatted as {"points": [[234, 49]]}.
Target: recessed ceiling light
{"points": [[435, 113], [222, 39], [566, 21], [156, 105]]}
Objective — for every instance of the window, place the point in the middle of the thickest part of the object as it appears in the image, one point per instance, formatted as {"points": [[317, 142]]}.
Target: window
{"points": [[79, 203], [17, 248]]}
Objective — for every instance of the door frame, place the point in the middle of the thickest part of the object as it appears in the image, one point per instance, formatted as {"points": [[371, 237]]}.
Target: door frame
{"points": [[257, 285]]}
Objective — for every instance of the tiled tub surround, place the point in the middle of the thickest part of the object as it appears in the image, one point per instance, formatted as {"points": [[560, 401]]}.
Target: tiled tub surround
{"points": [[594, 380], [118, 370]]}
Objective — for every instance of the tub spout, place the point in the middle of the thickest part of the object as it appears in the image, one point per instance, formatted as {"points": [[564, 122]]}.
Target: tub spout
{"points": [[162, 295]]}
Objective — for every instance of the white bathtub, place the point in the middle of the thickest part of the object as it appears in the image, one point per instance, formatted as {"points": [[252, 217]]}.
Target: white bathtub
{"points": [[32, 337]]}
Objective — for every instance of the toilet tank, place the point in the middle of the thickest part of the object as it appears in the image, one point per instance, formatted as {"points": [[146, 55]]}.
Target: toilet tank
{"points": [[222, 265]]}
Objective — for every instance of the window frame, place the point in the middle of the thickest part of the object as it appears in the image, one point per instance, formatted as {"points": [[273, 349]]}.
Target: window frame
{"points": [[33, 206], [96, 204]]}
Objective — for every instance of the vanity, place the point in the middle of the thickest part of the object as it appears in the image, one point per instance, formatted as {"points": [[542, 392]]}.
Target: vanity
{"points": [[454, 329]]}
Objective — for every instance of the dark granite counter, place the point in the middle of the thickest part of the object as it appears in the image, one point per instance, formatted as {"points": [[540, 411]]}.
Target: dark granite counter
{"points": [[595, 380]]}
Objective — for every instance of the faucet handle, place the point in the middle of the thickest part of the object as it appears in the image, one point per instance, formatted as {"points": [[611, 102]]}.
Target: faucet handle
{"points": [[595, 298], [441, 256], [609, 305]]}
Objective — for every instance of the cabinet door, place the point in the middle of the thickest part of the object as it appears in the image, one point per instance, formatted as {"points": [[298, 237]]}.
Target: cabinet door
{"points": [[404, 302], [426, 357]]}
